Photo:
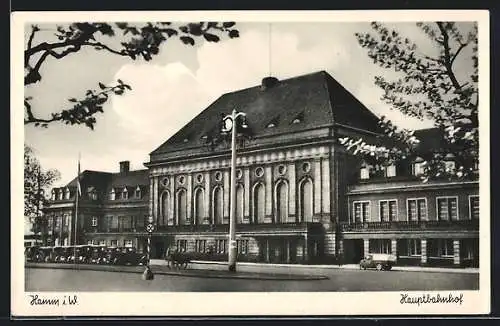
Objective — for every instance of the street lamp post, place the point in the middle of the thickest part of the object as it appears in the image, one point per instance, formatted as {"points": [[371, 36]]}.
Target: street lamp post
{"points": [[230, 125]]}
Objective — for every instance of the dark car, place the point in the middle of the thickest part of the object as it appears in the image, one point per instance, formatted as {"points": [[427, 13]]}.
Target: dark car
{"points": [[31, 253], [98, 255], [382, 262], [129, 256]]}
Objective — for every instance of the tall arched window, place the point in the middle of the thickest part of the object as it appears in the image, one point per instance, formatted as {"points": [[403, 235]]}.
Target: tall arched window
{"points": [[217, 208], [199, 203], [165, 207], [240, 190], [259, 201], [182, 207], [306, 201], [281, 202]]}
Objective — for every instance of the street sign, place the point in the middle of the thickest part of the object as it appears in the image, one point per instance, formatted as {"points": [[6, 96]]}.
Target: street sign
{"points": [[150, 228]]}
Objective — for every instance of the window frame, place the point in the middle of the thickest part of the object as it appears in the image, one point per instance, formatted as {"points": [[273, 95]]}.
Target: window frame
{"points": [[386, 170], [396, 218], [128, 241], [94, 222], [420, 166], [470, 206], [364, 173], [437, 208], [419, 217], [368, 219]]}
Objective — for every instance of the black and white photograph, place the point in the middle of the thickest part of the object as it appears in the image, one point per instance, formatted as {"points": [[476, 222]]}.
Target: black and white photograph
{"points": [[250, 163]]}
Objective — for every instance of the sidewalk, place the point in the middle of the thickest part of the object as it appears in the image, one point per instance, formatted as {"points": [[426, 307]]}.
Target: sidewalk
{"points": [[262, 267]]}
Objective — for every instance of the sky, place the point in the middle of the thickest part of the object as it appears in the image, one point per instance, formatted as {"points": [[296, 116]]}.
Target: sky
{"points": [[182, 80]]}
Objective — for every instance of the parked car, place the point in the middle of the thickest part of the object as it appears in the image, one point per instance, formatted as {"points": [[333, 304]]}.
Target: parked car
{"points": [[378, 261], [128, 256]]}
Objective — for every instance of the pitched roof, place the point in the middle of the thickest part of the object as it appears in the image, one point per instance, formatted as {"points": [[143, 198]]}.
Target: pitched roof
{"points": [[316, 99], [108, 180]]}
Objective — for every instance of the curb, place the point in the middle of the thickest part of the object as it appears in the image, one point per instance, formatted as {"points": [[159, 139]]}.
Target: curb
{"points": [[345, 267], [188, 273]]}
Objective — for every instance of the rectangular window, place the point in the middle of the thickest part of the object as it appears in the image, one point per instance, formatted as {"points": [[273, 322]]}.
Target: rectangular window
{"points": [[417, 209], [388, 210], [200, 245], [102, 242], [361, 211], [474, 207], [380, 246], [114, 243], [447, 208], [66, 220], [95, 242], [242, 246], [94, 221], [417, 169], [221, 246], [182, 245], [364, 173], [441, 248], [127, 243], [414, 247], [390, 171], [89, 242], [125, 223]]}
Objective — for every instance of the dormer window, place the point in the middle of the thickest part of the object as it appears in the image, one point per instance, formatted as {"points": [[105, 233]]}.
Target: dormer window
{"points": [[112, 195], [185, 140], [364, 172], [66, 193], [418, 166], [449, 163], [390, 170], [53, 196], [60, 194], [125, 193], [92, 193], [137, 193], [271, 125], [295, 121]]}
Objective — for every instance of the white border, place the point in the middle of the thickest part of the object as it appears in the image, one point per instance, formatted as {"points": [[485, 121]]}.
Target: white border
{"points": [[437, 208], [408, 208], [397, 207], [297, 304], [369, 217]]}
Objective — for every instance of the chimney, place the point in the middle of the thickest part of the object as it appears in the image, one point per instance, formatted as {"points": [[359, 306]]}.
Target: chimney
{"points": [[124, 166], [269, 82]]}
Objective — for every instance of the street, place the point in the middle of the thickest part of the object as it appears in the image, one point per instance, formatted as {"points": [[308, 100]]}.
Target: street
{"points": [[338, 280]]}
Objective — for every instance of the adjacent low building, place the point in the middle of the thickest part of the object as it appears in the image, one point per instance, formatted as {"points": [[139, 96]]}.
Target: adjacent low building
{"points": [[300, 198]]}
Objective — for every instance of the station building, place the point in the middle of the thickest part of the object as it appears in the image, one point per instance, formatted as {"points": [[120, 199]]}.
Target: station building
{"points": [[300, 198]]}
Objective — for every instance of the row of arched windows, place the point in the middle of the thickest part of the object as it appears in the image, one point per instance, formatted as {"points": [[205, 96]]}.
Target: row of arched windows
{"points": [[179, 212]]}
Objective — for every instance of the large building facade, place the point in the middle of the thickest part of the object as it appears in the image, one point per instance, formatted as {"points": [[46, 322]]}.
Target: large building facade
{"points": [[300, 198]]}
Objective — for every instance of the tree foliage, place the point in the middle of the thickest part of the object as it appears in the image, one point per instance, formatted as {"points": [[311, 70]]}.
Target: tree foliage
{"points": [[36, 183], [428, 87], [137, 42]]}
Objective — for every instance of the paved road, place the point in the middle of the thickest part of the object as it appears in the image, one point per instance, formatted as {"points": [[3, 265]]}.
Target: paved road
{"points": [[338, 280]]}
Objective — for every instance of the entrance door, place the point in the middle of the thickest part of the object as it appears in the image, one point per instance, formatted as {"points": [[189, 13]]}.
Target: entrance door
{"points": [[353, 251], [158, 251]]}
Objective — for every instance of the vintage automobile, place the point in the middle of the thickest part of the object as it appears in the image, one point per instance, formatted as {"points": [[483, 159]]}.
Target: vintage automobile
{"points": [[382, 262], [81, 252], [44, 254], [128, 256], [31, 253], [98, 255]]}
